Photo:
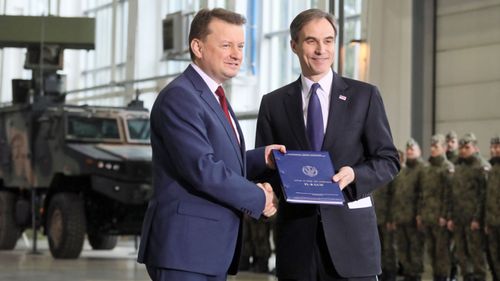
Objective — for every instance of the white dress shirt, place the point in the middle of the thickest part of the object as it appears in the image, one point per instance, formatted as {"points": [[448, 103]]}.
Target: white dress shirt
{"points": [[323, 93], [212, 85]]}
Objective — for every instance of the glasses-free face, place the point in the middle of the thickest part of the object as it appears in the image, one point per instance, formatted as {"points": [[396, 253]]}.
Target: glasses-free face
{"points": [[220, 54], [437, 150], [451, 144], [467, 150], [413, 152], [495, 150], [315, 48]]}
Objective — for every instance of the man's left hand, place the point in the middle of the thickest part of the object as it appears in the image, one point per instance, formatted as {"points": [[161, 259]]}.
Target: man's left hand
{"points": [[269, 155], [344, 177]]}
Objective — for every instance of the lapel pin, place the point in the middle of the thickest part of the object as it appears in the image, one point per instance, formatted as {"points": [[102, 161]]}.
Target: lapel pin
{"points": [[342, 97]]}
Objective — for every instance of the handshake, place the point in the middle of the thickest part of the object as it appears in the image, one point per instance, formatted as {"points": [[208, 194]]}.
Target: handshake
{"points": [[271, 206]]}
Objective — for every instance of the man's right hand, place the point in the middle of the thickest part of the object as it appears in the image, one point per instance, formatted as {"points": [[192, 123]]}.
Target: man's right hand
{"points": [[271, 205]]}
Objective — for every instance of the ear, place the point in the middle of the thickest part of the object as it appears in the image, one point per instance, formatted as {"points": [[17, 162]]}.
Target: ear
{"points": [[293, 45], [197, 47]]}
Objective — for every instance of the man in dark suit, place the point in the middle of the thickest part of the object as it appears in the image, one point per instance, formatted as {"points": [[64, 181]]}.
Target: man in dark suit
{"points": [[192, 226], [326, 242]]}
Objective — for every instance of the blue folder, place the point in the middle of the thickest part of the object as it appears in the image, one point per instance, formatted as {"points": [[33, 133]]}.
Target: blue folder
{"points": [[306, 177]]}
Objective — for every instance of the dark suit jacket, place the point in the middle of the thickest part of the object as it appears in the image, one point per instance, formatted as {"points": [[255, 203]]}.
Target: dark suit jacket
{"points": [[357, 135], [193, 220]]}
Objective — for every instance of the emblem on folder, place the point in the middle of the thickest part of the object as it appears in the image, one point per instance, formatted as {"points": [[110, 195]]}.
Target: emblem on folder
{"points": [[310, 171]]}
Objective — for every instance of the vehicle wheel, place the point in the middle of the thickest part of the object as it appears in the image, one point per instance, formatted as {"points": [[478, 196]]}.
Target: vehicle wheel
{"points": [[102, 241], [66, 226], [9, 230]]}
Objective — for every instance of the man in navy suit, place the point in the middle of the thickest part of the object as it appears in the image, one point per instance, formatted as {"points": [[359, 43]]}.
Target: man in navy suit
{"points": [[191, 229], [326, 242]]}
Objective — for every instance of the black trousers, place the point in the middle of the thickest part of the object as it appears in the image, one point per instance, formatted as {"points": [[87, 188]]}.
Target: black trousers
{"points": [[166, 274], [322, 268]]}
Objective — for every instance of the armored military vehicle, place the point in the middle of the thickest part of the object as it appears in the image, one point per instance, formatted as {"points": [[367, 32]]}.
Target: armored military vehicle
{"points": [[68, 170]]}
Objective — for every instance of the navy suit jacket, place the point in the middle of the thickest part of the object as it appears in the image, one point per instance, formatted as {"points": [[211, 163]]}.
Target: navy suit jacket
{"points": [[193, 220], [357, 135]]}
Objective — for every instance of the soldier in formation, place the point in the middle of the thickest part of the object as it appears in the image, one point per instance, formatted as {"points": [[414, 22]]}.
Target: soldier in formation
{"points": [[256, 246], [383, 208], [435, 181], [492, 212], [452, 156], [452, 147], [406, 193], [466, 209]]}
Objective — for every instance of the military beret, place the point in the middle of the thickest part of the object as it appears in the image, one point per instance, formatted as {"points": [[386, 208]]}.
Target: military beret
{"points": [[468, 138], [495, 140], [451, 135], [438, 139], [411, 143]]}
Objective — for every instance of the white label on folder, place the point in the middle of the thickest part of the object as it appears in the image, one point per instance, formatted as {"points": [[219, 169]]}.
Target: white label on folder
{"points": [[361, 203]]}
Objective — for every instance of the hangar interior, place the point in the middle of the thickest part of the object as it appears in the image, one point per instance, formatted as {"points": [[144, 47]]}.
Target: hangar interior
{"points": [[434, 61]]}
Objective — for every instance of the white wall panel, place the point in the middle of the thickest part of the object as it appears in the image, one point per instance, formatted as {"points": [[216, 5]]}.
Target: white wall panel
{"points": [[473, 102], [465, 29], [456, 6], [470, 65], [389, 38], [468, 68]]}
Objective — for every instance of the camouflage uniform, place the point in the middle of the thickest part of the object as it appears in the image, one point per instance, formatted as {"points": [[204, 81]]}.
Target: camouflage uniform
{"points": [[408, 238], [492, 214], [435, 182], [452, 155], [256, 245], [467, 205], [382, 198]]}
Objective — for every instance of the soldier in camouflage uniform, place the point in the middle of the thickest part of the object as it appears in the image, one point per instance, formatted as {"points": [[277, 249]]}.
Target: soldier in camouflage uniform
{"points": [[432, 207], [452, 156], [409, 239], [492, 211], [256, 234], [383, 208], [467, 209], [452, 147]]}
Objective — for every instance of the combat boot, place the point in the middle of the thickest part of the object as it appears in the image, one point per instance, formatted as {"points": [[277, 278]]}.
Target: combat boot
{"points": [[244, 264], [469, 277], [259, 265], [388, 276], [453, 273]]}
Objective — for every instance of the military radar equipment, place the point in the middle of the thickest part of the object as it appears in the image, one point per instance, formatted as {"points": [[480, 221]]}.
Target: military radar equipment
{"points": [[68, 170]]}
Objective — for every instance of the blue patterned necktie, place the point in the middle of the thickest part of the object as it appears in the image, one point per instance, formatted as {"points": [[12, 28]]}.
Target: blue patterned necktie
{"points": [[315, 120]]}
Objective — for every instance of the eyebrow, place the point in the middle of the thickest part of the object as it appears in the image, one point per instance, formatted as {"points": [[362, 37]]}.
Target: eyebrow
{"points": [[317, 39]]}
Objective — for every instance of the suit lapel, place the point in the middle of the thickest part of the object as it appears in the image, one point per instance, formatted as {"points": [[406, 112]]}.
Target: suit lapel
{"points": [[209, 98], [339, 101], [242, 139], [293, 106]]}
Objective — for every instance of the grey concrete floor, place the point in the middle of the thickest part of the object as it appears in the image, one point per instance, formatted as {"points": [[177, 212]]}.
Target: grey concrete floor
{"points": [[118, 264]]}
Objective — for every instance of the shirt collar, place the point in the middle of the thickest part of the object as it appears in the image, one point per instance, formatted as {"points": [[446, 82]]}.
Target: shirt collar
{"points": [[212, 85], [325, 83]]}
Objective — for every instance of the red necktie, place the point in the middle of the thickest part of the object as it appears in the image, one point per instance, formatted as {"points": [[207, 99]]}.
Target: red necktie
{"points": [[223, 103]]}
